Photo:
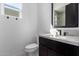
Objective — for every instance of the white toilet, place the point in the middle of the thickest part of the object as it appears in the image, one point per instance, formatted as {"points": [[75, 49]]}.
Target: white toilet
{"points": [[31, 48]]}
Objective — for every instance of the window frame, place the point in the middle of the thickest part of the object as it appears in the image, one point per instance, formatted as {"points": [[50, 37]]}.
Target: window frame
{"points": [[3, 10]]}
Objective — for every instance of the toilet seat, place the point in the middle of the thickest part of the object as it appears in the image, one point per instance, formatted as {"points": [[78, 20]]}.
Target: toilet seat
{"points": [[31, 48]]}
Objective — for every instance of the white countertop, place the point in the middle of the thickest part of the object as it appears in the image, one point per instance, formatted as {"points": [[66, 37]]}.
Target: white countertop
{"points": [[73, 40]]}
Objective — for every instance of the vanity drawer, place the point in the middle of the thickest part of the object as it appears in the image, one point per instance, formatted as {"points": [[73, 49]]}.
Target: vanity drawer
{"points": [[52, 45], [46, 41]]}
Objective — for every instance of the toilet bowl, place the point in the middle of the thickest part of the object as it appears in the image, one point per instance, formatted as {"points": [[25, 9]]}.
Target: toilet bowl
{"points": [[31, 48]]}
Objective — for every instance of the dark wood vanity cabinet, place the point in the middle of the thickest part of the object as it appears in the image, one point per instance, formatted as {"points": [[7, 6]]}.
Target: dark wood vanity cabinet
{"points": [[48, 47], [71, 15]]}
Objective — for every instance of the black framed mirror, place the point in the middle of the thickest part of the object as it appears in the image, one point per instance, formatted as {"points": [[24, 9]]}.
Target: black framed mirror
{"points": [[65, 16], [52, 14]]}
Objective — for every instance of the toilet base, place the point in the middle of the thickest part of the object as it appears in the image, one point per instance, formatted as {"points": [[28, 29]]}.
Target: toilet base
{"points": [[35, 53], [31, 54]]}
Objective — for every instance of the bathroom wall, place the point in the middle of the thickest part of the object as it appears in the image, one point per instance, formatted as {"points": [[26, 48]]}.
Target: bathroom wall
{"points": [[30, 23], [44, 18], [0, 7], [16, 34]]}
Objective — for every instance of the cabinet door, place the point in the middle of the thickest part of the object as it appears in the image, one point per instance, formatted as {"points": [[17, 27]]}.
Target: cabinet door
{"points": [[72, 15], [53, 53], [43, 51], [47, 47]]}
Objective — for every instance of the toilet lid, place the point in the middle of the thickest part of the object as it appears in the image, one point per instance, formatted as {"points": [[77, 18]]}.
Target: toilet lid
{"points": [[33, 45]]}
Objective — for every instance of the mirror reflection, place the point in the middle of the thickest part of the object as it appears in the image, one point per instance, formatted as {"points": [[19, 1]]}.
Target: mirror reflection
{"points": [[59, 17]]}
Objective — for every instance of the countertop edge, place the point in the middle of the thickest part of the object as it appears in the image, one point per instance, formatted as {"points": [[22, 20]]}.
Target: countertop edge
{"points": [[60, 40]]}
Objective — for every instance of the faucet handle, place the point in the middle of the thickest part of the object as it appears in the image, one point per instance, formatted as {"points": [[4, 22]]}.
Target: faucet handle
{"points": [[65, 33], [59, 32]]}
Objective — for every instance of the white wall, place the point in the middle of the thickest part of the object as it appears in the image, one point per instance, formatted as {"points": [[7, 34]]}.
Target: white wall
{"points": [[15, 35], [44, 17], [30, 22]]}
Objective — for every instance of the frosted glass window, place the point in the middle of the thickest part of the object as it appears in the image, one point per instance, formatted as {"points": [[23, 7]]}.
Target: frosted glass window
{"points": [[13, 9]]}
